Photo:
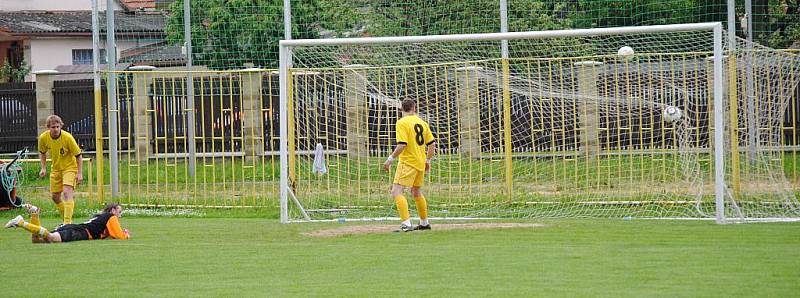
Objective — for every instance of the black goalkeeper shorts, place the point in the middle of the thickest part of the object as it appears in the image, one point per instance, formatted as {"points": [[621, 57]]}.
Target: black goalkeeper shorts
{"points": [[72, 233]]}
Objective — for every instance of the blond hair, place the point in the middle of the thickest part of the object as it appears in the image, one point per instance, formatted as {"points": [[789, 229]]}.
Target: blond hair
{"points": [[54, 119]]}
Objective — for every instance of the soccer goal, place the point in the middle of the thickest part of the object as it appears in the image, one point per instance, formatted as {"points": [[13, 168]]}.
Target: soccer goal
{"points": [[649, 122]]}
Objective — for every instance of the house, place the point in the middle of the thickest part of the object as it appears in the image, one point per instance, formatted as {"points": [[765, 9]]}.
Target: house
{"points": [[50, 5], [46, 36]]}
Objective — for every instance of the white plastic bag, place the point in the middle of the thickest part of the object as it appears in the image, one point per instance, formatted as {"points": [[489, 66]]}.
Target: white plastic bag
{"points": [[319, 161]]}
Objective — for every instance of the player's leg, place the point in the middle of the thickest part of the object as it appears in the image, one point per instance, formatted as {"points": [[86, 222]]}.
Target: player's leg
{"points": [[19, 221], [402, 204], [422, 208], [404, 177], [69, 180], [56, 196], [69, 204], [15, 222], [39, 240], [53, 237], [69, 233], [34, 212], [56, 187], [419, 200]]}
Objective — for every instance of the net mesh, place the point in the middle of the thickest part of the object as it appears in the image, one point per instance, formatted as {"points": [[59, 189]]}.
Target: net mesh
{"points": [[586, 131]]}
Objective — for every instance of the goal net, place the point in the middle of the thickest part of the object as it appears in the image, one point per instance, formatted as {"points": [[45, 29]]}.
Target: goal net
{"points": [[646, 121]]}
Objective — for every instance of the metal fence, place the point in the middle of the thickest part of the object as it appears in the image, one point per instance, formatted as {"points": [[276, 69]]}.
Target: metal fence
{"points": [[218, 104], [74, 102], [17, 116]]}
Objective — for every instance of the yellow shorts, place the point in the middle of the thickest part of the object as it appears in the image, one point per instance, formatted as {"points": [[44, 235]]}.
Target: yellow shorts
{"points": [[60, 178], [408, 176]]}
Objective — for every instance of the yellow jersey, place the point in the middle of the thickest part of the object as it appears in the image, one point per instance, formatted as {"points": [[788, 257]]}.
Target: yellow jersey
{"points": [[63, 150], [416, 134]]}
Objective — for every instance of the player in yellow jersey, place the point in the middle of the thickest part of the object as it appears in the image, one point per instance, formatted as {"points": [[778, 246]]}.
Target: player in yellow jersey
{"points": [[415, 148], [66, 171]]}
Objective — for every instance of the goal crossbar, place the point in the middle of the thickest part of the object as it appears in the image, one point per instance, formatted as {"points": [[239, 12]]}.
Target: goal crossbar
{"points": [[504, 36]]}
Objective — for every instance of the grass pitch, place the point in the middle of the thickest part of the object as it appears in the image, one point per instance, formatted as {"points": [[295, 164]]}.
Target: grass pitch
{"points": [[201, 256]]}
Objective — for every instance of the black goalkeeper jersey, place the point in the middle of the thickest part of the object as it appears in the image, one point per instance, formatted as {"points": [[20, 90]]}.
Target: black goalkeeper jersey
{"points": [[97, 224]]}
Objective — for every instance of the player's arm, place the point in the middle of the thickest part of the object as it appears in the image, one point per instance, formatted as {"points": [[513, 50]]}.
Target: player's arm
{"points": [[401, 133], [430, 141], [429, 155], [79, 160], [397, 150], [115, 230], [431, 151], [42, 157], [76, 150], [42, 164]]}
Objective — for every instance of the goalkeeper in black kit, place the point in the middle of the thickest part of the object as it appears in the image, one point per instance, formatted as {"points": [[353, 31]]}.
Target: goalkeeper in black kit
{"points": [[103, 225]]}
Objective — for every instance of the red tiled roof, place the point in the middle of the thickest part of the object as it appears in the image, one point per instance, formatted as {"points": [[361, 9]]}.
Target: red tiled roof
{"points": [[61, 22]]}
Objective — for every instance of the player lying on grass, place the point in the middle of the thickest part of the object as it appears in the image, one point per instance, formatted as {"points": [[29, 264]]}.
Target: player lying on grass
{"points": [[103, 225]]}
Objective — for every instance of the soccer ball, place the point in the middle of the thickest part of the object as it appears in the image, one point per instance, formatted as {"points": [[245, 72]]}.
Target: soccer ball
{"points": [[672, 114], [625, 51]]}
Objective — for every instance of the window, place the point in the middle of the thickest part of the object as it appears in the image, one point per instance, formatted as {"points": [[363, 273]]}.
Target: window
{"points": [[84, 56]]}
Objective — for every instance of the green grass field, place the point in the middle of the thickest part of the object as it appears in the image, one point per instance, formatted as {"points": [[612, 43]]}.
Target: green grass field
{"points": [[205, 255], [246, 252]]}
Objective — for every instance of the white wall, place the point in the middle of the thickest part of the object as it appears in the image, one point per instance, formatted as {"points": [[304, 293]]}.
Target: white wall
{"points": [[15, 5], [45, 54]]}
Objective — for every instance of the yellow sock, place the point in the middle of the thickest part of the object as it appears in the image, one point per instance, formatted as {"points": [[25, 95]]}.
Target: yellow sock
{"points": [[60, 207], [38, 222], [69, 207], [422, 207], [35, 219], [402, 207], [34, 229]]}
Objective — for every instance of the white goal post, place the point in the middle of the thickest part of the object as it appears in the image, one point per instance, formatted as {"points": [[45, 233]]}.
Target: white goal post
{"points": [[315, 80]]}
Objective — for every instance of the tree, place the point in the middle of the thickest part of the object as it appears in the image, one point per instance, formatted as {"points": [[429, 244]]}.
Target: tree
{"points": [[783, 25], [436, 17], [14, 74], [617, 13], [431, 17], [233, 33]]}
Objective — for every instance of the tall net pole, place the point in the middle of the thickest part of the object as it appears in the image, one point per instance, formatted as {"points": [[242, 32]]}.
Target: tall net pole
{"points": [[187, 33], [98, 101], [751, 109], [504, 27], [113, 111], [732, 96], [719, 129], [284, 55]]}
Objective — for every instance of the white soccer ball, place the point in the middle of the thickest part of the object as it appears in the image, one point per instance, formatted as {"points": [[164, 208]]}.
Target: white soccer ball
{"points": [[625, 51], [672, 114]]}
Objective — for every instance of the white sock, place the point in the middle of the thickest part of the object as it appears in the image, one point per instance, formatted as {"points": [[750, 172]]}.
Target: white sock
{"points": [[406, 222], [423, 222]]}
